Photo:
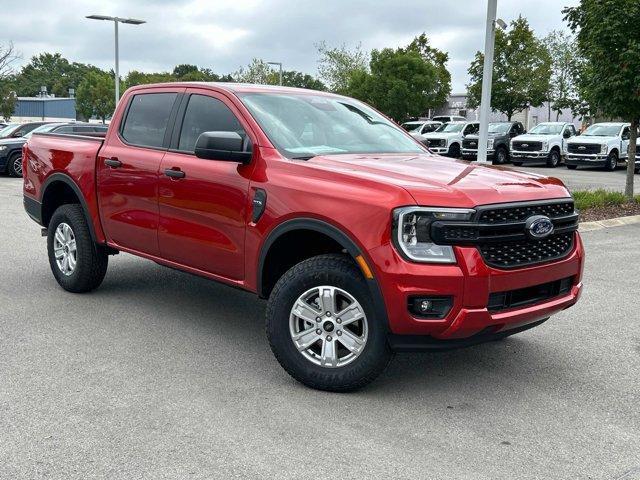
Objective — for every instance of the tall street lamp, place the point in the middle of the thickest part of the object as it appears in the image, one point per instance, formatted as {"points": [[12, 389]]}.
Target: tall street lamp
{"points": [[487, 77], [280, 65], [116, 20]]}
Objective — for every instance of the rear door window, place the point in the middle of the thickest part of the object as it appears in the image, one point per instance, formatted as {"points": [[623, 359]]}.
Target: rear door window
{"points": [[147, 118]]}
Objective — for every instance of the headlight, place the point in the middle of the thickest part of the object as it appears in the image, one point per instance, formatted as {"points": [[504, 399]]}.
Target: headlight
{"points": [[490, 144], [411, 232], [3, 147], [545, 146], [605, 148]]}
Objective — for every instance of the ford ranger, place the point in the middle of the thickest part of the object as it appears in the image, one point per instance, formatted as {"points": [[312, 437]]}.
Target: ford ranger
{"points": [[600, 145], [545, 143], [363, 242], [498, 144]]}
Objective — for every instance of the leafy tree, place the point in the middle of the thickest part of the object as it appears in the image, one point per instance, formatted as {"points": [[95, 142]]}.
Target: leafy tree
{"points": [[521, 71], [401, 83], [258, 71], [7, 102], [184, 69], [565, 67], [135, 77], [95, 96], [8, 56], [293, 78], [607, 36], [439, 59], [337, 65]]}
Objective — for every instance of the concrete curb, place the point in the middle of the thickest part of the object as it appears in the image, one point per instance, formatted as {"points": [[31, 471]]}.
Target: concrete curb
{"points": [[609, 223]]}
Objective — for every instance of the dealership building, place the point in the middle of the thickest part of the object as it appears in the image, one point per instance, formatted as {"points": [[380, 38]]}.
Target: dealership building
{"points": [[48, 109]]}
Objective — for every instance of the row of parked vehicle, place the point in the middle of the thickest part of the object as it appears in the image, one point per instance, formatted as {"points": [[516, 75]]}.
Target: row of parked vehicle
{"points": [[14, 135], [604, 145]]}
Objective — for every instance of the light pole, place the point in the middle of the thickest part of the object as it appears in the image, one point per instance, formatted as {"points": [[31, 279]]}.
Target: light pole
{"points": [[280, 65], [487, 77], [116, 20]]}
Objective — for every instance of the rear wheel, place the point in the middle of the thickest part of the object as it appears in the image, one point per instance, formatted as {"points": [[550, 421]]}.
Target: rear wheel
{"points": [[612, 161], [14, 165], [77, 262], [322, 328], [554, 158]]}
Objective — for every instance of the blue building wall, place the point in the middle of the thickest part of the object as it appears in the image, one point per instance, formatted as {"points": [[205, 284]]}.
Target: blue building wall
{"points": [[46, 107]]}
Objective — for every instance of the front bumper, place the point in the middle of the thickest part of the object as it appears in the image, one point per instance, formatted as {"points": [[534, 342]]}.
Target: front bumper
{"points": [[593, 160], [439, 150], [470, 282], [530, 156], [473, 154]]}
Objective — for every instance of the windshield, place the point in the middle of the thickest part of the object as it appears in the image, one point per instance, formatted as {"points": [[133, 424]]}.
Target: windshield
{"points": [[412, 126], [602, 131], [451, 127], [303, 126], [547, 129], [499, 127], [42, 128], [6, 131]]}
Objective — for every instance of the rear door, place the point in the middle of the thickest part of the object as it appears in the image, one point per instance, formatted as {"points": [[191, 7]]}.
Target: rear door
{"points": [[203, 215], [128, 167]]}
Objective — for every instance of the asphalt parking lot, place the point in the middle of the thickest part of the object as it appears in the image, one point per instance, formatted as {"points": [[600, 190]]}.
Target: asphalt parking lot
{"points": [[159, 374]]}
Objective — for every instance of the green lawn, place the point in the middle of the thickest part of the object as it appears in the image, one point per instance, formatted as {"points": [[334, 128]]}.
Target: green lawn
{"points": [[586, 199]]}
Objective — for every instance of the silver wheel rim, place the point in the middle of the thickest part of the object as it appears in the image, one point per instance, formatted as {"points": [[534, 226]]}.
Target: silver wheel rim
{"points": [[328, 326], [64, 249], [17, 165], [502, 156]]}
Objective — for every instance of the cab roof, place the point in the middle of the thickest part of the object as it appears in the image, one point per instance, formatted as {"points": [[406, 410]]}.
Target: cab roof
{"points": [[234, 87]]}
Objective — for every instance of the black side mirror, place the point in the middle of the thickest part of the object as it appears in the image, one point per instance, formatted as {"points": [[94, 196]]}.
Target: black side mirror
{"points": [[225, 146]]}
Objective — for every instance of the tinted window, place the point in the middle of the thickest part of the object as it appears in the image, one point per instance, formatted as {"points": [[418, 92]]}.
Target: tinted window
{"points": [[147, 119], [205, 114], [68, 129]]}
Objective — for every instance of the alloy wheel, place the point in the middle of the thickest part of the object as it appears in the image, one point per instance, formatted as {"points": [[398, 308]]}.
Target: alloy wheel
{"points": [[65, 249]]}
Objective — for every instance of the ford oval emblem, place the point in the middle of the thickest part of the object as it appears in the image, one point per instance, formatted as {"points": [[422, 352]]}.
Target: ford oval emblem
{"points": [[539, 227], [525, 145]]}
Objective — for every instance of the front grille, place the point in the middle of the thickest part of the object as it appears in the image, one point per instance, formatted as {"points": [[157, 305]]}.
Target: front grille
{"points": [[470, 144], [527, 252], [523, 146], [530, 295], [435, 142], [500, 233], [584, 148]]}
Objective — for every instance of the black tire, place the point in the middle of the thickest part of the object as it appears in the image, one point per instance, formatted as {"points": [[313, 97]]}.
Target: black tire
{"points": [[333, 270], [637, 170], [554, 159], [572, 167], [612, 161], [14, 165], [454, 151], [92, 259], [517, 164], [501, 156]]}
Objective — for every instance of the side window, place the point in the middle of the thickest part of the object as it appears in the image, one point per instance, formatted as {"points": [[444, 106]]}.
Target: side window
{"points": [[63, 129], [626, 133], [206, 114], [471, 129], [147, 119]]}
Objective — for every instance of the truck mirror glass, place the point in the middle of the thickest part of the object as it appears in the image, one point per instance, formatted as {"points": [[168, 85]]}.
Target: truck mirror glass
{"points": [[224, 146]]}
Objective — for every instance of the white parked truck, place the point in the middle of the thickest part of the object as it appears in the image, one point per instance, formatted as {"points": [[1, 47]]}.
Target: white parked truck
{"points": [[600, 145], [447, 140], [545, 143]]}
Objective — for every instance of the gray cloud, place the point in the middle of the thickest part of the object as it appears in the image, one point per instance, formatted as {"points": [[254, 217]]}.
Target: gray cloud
{"points": [[226, 34]]}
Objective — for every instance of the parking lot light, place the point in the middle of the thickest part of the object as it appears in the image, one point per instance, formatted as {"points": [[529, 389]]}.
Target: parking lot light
{"points": [[116, 20]]}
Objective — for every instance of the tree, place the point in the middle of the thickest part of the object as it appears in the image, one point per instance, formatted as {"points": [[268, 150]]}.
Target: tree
{"points": [[184, 69], [521, 71], [439, 59], [401, 83], [135, 77], [95, 96], [565, 66], [337, 65], [8, 56], [293, 78], [7, 103], [258, 71], [607, 36]]}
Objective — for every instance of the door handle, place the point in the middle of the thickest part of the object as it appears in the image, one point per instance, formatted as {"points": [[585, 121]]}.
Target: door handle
{"points": [[113, 162], [169, 172]]}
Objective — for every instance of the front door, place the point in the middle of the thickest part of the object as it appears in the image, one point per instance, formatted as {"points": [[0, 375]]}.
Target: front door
{"points": [[204, 207], [127, 172]]}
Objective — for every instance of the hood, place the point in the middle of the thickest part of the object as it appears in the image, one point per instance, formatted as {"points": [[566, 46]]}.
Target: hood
{"points": [[590, 139], [534, 138], [442, 182], [491, 135], [441, 134], [12, 141]]}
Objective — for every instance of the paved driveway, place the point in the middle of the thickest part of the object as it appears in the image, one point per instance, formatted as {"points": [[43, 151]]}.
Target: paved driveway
{"points": [[162, 375]]}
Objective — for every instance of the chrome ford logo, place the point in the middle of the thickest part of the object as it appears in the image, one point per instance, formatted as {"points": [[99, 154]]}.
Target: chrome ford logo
{"points": [[539, 227], [525, 145], [582, 148]]}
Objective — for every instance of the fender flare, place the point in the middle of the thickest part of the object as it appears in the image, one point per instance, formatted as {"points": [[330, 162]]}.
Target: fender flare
{"points": [[334, 233], [66, 179]]}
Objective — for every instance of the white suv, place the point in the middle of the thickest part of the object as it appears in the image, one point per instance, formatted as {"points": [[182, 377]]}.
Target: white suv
{"points": [[546, 142], [447, 140], [600, 145]]}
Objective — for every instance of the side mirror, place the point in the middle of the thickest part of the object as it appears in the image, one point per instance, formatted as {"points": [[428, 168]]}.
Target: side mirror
{"points": [[225, 146], [566, 134]]}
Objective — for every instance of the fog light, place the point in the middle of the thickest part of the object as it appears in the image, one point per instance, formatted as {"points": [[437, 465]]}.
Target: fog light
{"points": [[430, 307]]}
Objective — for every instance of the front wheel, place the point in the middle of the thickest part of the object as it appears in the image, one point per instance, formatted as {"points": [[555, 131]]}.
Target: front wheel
{"points": [[454, 151], [612, 161], [14, 165], [77, 263], [554, 159], [501, 156], [322, 327]]}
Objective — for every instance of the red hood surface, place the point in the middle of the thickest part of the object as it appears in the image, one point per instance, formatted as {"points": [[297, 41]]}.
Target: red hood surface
{"points": [[438, 181]]}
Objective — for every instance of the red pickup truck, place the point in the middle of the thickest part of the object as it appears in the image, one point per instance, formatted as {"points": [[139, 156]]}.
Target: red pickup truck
{"points": [[363, 242]]}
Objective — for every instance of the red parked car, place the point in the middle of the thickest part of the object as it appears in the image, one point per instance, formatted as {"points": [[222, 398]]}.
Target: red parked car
{"points": [[363, 242]]}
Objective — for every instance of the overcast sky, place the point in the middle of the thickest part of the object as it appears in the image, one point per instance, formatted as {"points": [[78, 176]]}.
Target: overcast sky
{"points": [[226, 34]]}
